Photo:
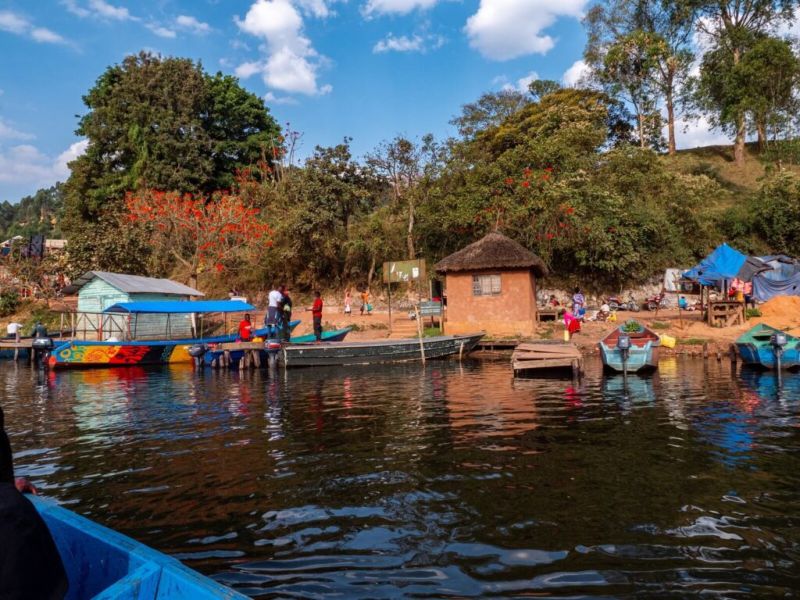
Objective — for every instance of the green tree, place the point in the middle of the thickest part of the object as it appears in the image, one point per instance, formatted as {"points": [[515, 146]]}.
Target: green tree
{"points": [[776, 214], [490, 109], [655, 34], [733, 26], [161, 123], [37, 214]]}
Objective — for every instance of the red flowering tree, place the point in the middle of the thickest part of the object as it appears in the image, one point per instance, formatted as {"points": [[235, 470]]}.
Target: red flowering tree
{"points": [[200, 232]]}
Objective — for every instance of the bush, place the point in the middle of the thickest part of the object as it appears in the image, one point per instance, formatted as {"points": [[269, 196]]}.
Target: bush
{"points": [[752, 312], [9, 302]]}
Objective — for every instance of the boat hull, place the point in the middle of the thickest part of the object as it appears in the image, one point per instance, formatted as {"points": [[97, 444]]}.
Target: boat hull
{"points": [[103, 563], [640, 358], [236, 355], [87, 354], [384, 351], [763, 356]]}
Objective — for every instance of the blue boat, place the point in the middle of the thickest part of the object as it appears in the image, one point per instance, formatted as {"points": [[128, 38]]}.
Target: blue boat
{"points": [[761, 346], [336, 335], [630, 350], [101, 563]]}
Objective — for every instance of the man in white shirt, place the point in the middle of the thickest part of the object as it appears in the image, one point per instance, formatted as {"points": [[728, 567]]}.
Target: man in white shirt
{"points": [[13, 329], [275, 300]]}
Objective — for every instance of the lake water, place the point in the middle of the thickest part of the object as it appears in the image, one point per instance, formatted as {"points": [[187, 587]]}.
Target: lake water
{"points": [[446, 480]]}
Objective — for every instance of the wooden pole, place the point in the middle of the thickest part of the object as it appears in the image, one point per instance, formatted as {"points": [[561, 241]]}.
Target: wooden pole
{"points": [[419, 333], [389, 288]]}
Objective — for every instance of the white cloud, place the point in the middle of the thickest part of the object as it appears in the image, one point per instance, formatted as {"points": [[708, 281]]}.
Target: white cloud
{"points": [[108, 11], [7, 132], [317, 8], [99, 9], [26, 165], [404, 43], [698, 133], [522, 83], [248, 69], [161, 31], [273, 99], [189, 23], [291, 64], [506, 29], [575, 75], [396, 7], [14, 23], [62, 161], [42, 34]]}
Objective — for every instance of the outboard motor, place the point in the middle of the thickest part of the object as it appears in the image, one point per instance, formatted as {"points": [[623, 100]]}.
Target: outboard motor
{"points": [[41, 347], [197, 351], [778, 341], [273, 347], [624, 346]]}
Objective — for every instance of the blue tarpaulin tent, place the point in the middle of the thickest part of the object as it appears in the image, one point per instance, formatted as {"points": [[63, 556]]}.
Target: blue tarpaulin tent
{"points": [[723, 264], [783, 278]]}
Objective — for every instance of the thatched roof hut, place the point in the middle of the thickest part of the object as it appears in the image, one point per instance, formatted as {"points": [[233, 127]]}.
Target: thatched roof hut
{"points": [[492, 252]]}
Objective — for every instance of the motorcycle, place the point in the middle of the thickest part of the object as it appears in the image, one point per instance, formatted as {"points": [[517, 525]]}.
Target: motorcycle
{"points": [[616, 303], [659, 301]]}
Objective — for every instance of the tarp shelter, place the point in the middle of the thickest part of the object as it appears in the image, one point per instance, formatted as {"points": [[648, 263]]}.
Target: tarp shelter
{"points": [[782, 278], [723, 264]]}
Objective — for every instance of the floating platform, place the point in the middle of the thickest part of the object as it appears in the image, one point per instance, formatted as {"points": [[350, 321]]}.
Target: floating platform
{"points": [[546, 355]]}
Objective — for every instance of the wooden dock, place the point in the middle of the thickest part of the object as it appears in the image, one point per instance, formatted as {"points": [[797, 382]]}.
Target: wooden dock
{"points": [[250, 359], [545, 355]]}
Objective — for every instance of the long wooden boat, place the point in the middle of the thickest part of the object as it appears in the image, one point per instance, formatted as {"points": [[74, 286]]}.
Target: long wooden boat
{"points": [[642, 355], [756, 348], [102, 563], [213, 353], [89, 353], [381, 351]]}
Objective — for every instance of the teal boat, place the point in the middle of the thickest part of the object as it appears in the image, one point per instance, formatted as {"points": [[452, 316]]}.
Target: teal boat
{"points": [[630, 348], [101, 563], [769, 348]]}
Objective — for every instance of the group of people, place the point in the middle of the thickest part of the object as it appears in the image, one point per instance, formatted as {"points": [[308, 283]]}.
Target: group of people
{"points": [[365, 304], [279, 316]]}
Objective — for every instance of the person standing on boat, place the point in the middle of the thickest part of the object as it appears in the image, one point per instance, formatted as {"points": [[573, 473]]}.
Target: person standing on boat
{"points": [[316, 314], [39, 330], [30, 565], [285, 309], [246, 329], [274, 300]]}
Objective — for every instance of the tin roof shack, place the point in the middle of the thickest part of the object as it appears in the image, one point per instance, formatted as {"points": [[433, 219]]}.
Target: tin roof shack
{"points": [[98, 290], [491, 286]]}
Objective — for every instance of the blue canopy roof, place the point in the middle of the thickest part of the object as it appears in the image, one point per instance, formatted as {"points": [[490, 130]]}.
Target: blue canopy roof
{"points": [[180, 306], [725, 263]]}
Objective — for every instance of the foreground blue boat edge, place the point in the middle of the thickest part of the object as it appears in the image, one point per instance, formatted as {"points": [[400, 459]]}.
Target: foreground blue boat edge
{"points": [[104, 564]]}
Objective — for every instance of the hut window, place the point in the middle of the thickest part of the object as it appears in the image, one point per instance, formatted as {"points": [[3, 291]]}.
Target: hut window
{"points": [[485, 285]]}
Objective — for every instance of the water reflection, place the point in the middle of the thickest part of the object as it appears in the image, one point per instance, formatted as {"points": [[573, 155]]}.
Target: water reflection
{"points": [[444, 480]]}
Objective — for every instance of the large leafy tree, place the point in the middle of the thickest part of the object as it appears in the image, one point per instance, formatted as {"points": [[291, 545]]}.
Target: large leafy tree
{"points": [[164, 124], [733, 27], [642, 47]]}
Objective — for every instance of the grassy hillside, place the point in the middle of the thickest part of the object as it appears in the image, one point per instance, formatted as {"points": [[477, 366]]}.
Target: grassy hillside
{"points": [[717, 162]]}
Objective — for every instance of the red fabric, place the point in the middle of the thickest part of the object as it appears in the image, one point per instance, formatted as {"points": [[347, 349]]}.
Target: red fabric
{"points": [[245, 330], [574, 326], [316, 310]]}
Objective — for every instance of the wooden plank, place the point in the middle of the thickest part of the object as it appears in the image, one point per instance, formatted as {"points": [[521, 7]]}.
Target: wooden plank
{"points": [[543, 364], [241, 346]]}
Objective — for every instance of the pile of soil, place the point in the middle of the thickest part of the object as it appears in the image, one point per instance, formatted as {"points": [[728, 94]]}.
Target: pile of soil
{"points": [[782, 312]]}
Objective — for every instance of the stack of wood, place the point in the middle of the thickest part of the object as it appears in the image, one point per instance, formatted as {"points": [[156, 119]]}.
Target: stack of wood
{"points": [[539, 355]]}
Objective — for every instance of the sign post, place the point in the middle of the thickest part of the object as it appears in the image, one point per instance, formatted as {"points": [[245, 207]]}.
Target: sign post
{"points": [[403, 271]]}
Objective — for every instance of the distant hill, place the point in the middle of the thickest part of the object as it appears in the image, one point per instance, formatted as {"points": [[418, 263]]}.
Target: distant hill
{"points": [[40, 213]]}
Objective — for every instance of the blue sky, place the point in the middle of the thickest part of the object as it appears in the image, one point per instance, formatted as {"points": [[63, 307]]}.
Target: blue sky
{"points": [[368, 69]]}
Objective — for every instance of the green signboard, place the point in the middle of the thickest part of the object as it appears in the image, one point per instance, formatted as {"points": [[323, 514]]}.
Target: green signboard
{"points": [[401, 271]]}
